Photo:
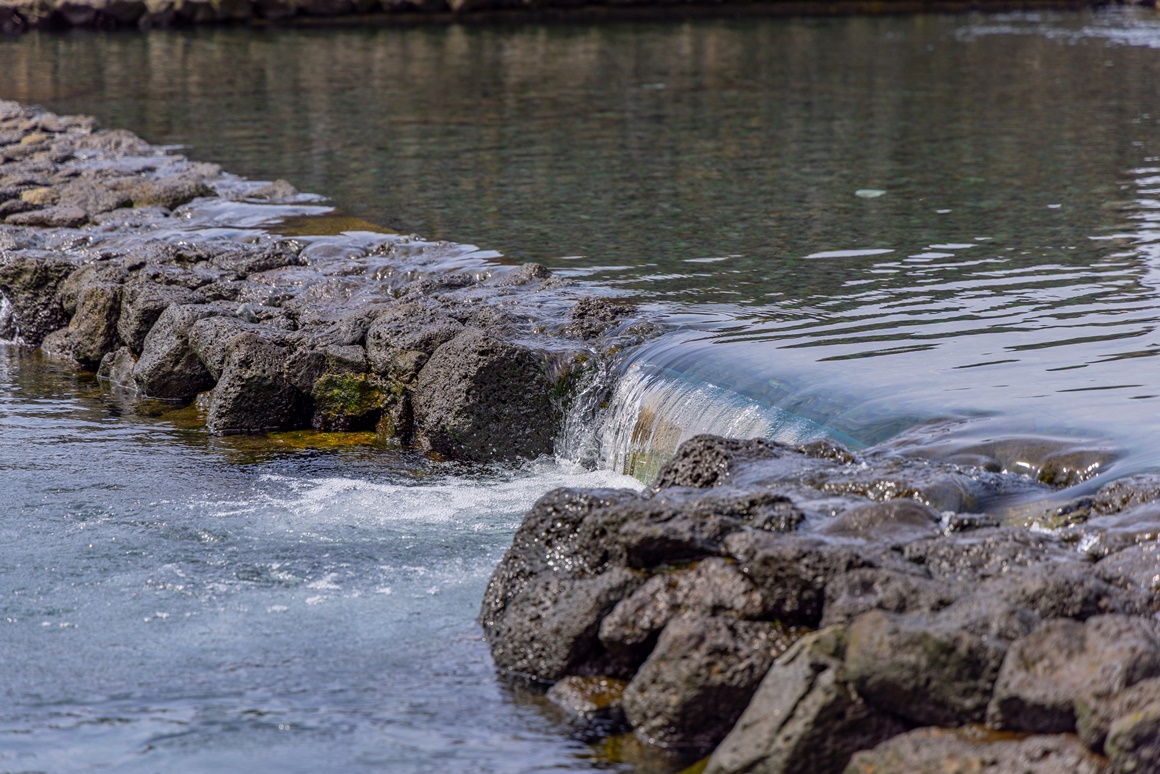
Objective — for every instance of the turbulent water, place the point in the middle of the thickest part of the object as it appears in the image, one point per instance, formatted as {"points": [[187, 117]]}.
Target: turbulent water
{"points": [[851, 226]]}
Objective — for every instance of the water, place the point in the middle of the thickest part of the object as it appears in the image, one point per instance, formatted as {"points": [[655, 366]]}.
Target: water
{"points": [[175, 602], [852, 225]]}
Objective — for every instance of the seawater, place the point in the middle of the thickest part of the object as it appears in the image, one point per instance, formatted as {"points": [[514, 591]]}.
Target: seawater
{"points": [[850, 227]]}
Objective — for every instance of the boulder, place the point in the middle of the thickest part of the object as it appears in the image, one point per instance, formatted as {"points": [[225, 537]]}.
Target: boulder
{"points": [[951, 751], [792, 570], [252, 396], [706, 460], [480, 398], [805, 717], [1135, 569], [400, 341], [168, 368], [893, 522], [30, 280], [924, 668], [1133, 743], [92, 332], [142, 304], [1096, 712], [1046, 671], [849, 594], [699, 678], [713, 587], [549, 628], [116, 368]]}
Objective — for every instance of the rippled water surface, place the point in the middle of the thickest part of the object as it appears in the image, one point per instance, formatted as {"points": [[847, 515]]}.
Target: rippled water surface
{"points": [[853, 225]]}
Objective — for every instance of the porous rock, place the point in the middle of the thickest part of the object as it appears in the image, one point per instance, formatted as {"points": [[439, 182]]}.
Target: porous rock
{"points": [[92, 333], [481, 398], [805, 717], [549, 628], [1133, 743], [1046, 671], [168, 367], [713, 587], [950, 751], [30, 280], [252, 395], [699, 678], [1095, 712]]}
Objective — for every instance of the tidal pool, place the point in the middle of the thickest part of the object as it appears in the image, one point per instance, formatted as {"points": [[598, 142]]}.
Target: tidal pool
{"points": [[852, 225]]}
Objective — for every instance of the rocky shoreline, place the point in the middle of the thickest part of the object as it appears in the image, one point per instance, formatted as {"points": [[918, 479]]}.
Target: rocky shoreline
{"points": [[811, 610], [777, 609], [18, 16], [146, 268]]}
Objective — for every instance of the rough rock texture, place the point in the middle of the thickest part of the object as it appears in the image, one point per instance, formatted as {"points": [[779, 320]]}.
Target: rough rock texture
{"points": [[805, 716], [946, 751], [699, 678], [126, 259], [933, 616], [1046, 671], [481, 398]]}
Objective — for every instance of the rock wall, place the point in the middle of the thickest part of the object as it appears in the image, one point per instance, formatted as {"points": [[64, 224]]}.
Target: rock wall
{"points": [[808, 610], [146, 268]]}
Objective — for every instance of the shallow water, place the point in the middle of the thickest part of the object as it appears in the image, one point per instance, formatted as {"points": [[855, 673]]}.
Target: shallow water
{"points": [[174, 602], [853, 225]]}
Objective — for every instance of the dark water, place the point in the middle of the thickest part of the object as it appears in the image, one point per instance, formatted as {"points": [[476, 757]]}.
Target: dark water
{"points": [[853, 224]]}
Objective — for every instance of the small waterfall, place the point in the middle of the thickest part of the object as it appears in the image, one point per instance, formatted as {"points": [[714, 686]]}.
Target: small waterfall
{"points": [[629, 415]]}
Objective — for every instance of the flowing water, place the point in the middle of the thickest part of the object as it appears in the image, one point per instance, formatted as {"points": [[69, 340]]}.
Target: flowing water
{"points": [[851, 225]]}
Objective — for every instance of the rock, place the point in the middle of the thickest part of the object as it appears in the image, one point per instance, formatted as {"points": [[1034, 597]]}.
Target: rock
{"points": [[950, 751], [548, 629], [400, 341], [705, 461], [925, 669], [713, 587], [894, 522], [277, 192], [50, 217], [347, 401], [69, 291], [168, 368], [210, 339], [1046, 671], [699, 678], [30, 280], [1064, 590], [142, 304], [1135, 569], [1133, 743], [594, 317], [169, 192], [850, 594], [252, 396], [591, 698], [93, 330], [983, 553], [1096, 712], [307, 364], [524, 274], [242, 261], [479, 398], [117, 369], [805, 717], [792, 570]]}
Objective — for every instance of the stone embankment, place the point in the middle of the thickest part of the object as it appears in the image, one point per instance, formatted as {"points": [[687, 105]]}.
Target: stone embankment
{"points": [[18, 16], [807, 610], [142, 266]]}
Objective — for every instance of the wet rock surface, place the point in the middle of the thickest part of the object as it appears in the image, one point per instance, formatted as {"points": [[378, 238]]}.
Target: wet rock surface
{"points": [[149, 269], [923, 638]]}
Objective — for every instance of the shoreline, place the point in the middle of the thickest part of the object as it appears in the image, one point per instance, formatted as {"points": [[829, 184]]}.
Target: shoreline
{"points": [[168, 279], [20, 16]]}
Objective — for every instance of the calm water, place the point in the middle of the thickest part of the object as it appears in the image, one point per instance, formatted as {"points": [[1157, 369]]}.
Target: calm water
{"points": [[855, 225]]}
